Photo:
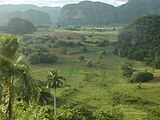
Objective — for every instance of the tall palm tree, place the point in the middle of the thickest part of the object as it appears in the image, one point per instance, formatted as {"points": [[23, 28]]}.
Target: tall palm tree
{"points": [[54, 81], [10, 70]]}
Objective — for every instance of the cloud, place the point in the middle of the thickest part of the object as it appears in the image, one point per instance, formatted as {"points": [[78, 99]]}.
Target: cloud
{"points": [[57, 2]]}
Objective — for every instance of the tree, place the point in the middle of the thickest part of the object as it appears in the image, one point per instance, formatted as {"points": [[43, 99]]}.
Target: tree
{"points": [[11, 70], [156, 63], [85, 49], [54, 81], [20, 26]]}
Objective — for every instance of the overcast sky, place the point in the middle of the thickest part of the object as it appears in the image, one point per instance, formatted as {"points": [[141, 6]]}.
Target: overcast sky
{"points": [[56, 3]]}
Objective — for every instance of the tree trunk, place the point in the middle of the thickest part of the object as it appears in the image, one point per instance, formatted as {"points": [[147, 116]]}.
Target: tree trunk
{"points": [[8, 101], [55, 109]]}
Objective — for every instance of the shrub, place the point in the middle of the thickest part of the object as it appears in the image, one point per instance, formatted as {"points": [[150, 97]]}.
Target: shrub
{"points": [[77, 113], [109, 115], [42, 58], [141, 77], [47, 58]]}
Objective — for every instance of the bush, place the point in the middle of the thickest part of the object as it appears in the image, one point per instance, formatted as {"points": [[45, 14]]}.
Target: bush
{"points": [[141, 77], [47, 58], [77, 113], [109, 115], [61, 43]]}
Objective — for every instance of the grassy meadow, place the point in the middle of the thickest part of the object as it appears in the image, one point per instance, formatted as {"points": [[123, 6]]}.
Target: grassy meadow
{"points": [[99, 88]]}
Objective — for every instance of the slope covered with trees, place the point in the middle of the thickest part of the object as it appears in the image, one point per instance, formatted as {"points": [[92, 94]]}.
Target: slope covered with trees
{"points": [[19, 26], [140, 40]]}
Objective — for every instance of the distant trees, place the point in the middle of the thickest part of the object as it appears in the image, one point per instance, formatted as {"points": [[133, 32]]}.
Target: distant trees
{"points": [[42, 58], [20, 26], [39, 54]]}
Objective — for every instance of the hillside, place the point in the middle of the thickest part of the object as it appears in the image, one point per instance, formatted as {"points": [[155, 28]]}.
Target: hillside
{"points": [[54, 12], [88, 13], [97, 13], [137, 8], [140, 40]]}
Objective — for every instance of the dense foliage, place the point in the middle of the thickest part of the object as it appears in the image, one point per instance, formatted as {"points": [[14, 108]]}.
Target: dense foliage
{"points": [[15, 76], [141, 77], [140, 40]]}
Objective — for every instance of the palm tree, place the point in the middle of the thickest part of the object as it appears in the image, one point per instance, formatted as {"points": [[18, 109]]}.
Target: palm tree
{"points": [[25, 84], [10, 71], [54, 81]]}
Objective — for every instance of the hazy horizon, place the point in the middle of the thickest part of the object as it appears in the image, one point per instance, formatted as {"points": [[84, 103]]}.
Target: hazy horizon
{"points": [[57, 3]]}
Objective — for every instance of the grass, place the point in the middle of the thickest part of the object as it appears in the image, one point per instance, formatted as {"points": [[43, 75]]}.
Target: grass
{"points": [[95, 88]]}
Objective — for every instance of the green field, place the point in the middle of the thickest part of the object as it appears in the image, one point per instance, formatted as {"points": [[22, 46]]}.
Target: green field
{"points": [[102, 89]]}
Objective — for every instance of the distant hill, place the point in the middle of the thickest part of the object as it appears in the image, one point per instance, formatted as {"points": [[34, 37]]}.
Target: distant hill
{"points": [[88, 13], [53, 12], [35, 16], [137, 8], [97, 13]]}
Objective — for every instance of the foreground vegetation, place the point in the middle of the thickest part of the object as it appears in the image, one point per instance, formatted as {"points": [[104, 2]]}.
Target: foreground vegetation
{"points": [[95, 90]]}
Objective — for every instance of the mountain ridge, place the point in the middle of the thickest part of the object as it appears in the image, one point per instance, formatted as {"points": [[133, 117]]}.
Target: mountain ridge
{"points": [[99, 13], [54, 12]]}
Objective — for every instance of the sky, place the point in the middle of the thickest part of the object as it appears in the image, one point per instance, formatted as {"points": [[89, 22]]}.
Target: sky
{"points": [[58, 3]]}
